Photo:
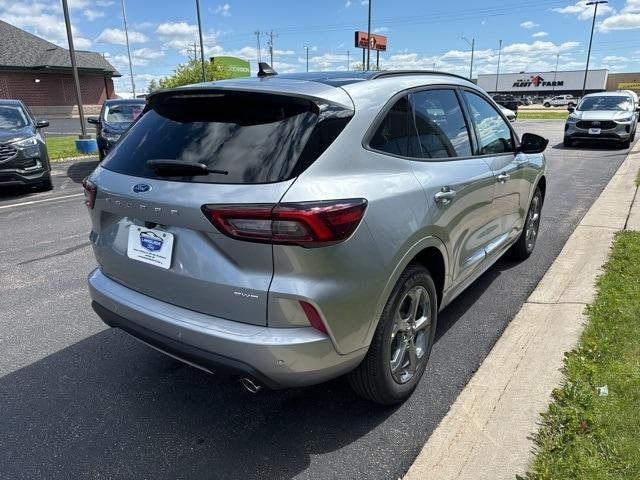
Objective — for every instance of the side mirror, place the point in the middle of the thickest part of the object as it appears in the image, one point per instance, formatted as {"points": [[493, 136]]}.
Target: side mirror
{"points": [[532, 143], [571, 108], [42, 123], [93, 120]]}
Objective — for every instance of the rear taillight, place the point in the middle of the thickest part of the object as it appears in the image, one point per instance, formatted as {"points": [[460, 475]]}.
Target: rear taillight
{"points": [[313, 316], [308, 224], [90, 192]]}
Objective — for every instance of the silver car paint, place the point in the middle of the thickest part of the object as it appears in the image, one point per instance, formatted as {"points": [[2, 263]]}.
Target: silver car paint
{"points": [[349, 283], [617, 132]]}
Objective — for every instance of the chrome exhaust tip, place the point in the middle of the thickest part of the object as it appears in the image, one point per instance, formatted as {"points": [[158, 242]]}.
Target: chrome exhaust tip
{"points": [[250, 386]]}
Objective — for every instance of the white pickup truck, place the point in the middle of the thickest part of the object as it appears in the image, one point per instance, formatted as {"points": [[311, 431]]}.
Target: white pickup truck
{"points": [[561, 101]]}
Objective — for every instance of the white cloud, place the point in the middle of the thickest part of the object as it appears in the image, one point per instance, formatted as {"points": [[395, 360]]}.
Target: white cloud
{"points": [[584, 11], [623, 21], [224, 10], [176, 36], [347, 4], [91, 15], [632, 6], [177, 29], [540, 34], [380, 30], [614, 59], [529, 24], [539, 47], [117, 37]]}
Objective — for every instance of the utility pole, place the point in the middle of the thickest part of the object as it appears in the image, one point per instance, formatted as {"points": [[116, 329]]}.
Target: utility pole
{"points": [[306, 47], [348, 60], [498, 71], [555, 74], [74, 67], [192, 48], [369, 37], [126, 37], [270, 43], [259, 55], [472, 44], [593, 24], [204, 70]]}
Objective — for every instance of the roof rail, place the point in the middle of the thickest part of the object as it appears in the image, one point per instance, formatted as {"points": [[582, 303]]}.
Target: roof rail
{"points": [[394, 73]]}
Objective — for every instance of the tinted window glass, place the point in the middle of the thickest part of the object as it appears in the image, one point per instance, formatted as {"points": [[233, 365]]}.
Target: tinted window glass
{"points": [[256, 138], [440, 125], [605, 102], [12, 117], [122, 113], [495, 134], [394, 135]]}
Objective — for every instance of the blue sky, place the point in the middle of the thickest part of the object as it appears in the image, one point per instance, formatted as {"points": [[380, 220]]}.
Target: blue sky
{"points": [[422, 34]]}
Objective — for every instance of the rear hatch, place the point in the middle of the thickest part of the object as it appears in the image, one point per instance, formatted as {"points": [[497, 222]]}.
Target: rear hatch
{"points": [[149, 232]]}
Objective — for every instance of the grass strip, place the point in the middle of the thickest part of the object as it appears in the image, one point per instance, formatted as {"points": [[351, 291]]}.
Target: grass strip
{"points": [[62, 147], [587, 434], [542, 115]]}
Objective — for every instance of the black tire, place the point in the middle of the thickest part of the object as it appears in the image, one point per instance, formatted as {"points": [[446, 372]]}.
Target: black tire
{"points": [[626, 143], [571, 104], [633, 135], [100, 154], [523, 248], [372, 379], [46, 185], [547, 104], [567, 142]]}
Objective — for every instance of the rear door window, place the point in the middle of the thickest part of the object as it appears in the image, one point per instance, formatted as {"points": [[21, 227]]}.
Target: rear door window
{"points": [[256, 138], [395, 134], [440, 125]]}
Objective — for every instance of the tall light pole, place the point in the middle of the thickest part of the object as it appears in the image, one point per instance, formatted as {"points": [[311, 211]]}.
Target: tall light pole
{"points": [[306, 47], [555, 74], [472, 44], [74, 67], [593, 24], [498, 71], [348, 60], [369, 36], [204, 71], [126, 37]]}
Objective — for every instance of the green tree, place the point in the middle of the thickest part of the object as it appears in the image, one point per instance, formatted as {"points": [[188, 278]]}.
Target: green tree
{"points": [[153, 86], [191, 72]]}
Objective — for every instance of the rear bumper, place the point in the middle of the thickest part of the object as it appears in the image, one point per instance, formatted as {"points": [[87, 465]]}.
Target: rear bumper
{"points": [[274, 357]]}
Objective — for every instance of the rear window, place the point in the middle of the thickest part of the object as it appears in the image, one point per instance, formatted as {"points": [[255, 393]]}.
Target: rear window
{"points": [[123, 112], [256, 138]]}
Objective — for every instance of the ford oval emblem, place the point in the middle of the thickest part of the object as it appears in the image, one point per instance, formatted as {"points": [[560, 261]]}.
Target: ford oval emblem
{"points": [[141, 188]]}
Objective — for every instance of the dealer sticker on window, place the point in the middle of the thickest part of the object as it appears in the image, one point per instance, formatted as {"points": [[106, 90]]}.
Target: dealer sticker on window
{"points": [[150, 245]]}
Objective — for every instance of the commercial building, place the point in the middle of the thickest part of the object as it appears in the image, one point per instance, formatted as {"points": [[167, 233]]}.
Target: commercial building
{"points": [[39, 73], [558, 83]]}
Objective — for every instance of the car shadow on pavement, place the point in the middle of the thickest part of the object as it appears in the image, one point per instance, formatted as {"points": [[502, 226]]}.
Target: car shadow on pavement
{"points": [[77, 171], [110, 407]]}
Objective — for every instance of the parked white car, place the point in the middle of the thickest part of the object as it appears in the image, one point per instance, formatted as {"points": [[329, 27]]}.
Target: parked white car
{"points": [[510, 114], [561, 101]]}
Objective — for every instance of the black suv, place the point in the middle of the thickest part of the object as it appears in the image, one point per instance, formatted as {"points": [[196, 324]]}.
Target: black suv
{"points": [[115, 117], [507, 101], [23, 153]]}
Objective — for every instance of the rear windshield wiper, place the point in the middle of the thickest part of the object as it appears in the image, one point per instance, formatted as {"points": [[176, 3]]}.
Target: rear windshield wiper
{"points": [[168, 168]]}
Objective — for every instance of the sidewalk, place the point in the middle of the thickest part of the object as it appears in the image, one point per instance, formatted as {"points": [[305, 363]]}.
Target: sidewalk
{"points": [[486, 434]]}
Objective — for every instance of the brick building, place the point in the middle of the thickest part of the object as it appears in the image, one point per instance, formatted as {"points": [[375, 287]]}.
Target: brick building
{"points": [[39, 73]]}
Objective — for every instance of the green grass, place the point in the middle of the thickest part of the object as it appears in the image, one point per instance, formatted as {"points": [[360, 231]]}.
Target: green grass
{"points": [[62, 147], [584, 435], [542, 115]]}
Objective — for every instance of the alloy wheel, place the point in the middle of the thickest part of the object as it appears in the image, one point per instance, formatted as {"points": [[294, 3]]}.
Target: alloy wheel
{"points": [[533, 222], [410, 334]]}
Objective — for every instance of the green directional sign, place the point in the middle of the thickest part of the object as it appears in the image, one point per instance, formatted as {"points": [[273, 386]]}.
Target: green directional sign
{"points": [[237, 67]]}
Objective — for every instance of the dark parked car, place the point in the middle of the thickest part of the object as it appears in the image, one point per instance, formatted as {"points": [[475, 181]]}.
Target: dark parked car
{"points": [[23, 153], [507, 101], [115, 117]]}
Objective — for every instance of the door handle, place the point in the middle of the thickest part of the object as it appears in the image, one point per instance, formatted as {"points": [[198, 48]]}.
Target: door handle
{"points": [[503, 177], [445, 196]]}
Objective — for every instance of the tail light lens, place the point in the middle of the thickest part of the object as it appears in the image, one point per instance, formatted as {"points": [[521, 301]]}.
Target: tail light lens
{"points": [[308, 224], [90, 192], [313, 316]]}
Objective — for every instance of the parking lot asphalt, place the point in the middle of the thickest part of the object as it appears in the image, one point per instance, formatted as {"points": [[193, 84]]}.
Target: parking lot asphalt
{"points": [[81, 401], [66, 126]]}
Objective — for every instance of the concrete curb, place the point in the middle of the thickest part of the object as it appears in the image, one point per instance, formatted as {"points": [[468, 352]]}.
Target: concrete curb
{"points": [[487, 432]]}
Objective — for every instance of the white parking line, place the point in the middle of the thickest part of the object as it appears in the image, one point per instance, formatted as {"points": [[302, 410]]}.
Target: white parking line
{"points": [[41, 201]]}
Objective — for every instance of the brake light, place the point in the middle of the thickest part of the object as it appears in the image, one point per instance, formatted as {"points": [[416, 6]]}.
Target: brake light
{"points": [[90, 192], [313, 316], [308, 224]]}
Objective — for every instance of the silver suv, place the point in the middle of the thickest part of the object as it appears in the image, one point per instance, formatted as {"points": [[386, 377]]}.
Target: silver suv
{"points": [[290, 229]]}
